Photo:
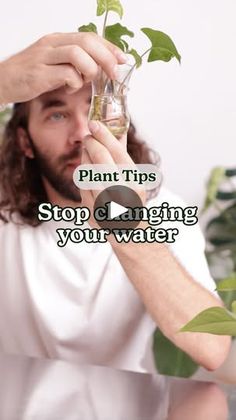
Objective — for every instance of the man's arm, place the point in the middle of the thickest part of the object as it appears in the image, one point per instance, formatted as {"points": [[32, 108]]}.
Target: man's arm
{"points": [[170, 294], [172, 298]]}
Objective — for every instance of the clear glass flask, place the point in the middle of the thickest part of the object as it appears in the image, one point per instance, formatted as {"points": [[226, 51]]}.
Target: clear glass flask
{"points": [[109, 100]]}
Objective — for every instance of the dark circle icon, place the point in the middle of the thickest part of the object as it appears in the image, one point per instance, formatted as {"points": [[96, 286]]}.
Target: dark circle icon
{"points": [[118, 207]]}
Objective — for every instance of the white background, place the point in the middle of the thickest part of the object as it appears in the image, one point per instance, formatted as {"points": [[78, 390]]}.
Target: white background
{"points": [[186, 112]]}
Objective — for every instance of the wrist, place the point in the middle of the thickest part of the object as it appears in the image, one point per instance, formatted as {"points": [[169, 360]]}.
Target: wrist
{"points": [[130, 244]]}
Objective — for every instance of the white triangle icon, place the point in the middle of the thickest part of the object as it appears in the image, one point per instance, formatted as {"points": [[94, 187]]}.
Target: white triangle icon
{"points": [[116, 209]]}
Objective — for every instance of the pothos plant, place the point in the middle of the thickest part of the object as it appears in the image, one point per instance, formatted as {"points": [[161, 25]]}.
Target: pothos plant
{"points": [[161, 48], [221, 254]]}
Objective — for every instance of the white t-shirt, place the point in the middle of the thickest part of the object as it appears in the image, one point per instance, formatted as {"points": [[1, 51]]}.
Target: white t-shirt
{"points": [[76, 303]]}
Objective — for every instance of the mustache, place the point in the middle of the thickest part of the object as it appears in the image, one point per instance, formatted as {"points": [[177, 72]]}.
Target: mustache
{"points": [[74, 154]]}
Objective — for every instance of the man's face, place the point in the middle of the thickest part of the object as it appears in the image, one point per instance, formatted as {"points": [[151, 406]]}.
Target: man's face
{"points": [[57, 126]]}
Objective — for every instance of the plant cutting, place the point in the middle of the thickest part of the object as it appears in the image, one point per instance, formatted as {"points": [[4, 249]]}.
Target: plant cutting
{"points": [[109, 97]]}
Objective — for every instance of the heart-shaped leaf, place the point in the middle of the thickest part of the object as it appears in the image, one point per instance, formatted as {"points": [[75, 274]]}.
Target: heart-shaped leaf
{"points": [[109, 6], [137, 57], [169, 359], [213, 320], [114, 33], [91, 27], [163, 47]]}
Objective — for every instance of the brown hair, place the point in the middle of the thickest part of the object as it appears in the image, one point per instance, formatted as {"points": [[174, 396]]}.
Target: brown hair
{"points": [[21, 187]]}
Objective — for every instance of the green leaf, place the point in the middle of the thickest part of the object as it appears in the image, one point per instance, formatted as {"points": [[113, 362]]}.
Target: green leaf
{"points": [[163, 47], [216, 177], [137, 57], [228, 298], [109, 6], [91, 27], [233, 306], [214, 320], [114, 33], [222, 229], [227, 284], [169, 359]]}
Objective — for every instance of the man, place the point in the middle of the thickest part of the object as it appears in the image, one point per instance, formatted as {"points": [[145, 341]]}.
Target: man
{"points": [[94, 303]]}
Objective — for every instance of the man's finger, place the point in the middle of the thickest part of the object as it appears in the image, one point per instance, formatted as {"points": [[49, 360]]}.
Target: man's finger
{"points": [[75, 38], [75, 56], [120, 55], [100, 54], [105, 137], [97, 152], [63, 75]]}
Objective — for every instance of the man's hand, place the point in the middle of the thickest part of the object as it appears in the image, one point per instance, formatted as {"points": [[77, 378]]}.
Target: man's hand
{"points": [[56, 60], [103, 148]]}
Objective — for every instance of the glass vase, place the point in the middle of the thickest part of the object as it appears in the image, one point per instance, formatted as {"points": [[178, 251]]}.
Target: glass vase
{"points": [[109, 100]]}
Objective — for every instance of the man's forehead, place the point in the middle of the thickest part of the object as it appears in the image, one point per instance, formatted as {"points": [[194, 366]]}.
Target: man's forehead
{"points": [[60, 96]]}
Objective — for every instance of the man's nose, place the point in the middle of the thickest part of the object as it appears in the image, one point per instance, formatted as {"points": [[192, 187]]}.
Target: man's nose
{"points": [[78, 130]]}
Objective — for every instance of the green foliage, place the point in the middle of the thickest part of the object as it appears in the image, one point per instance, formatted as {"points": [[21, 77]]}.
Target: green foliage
{"points": [[169, 359], [137, 57], [216, 176], [227, 284], [233, 307], [104, 6], [91, 27], [114, 34], [221, 230], [214, 320], [163, 47]]}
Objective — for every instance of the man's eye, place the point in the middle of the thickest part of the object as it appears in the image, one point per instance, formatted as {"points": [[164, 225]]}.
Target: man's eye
{"points": [[57, 116]]}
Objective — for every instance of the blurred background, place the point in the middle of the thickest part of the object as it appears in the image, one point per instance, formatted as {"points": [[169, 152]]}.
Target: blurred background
{"points": [[186, 112]]}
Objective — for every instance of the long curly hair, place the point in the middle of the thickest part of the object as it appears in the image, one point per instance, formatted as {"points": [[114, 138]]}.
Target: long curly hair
{"points": [[21, 186]]}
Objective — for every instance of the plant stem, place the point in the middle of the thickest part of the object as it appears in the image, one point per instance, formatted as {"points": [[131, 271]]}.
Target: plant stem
{"points": [[149, 49], [132, 68], [102, 88], [104, 25]]}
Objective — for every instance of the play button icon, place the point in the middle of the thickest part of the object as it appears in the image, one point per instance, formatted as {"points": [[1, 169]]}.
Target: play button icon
{"points": [[116, 210], [113, 208]]}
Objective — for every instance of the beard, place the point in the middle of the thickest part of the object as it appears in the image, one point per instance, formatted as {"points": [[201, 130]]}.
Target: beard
{"points": [[55, 171]]}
